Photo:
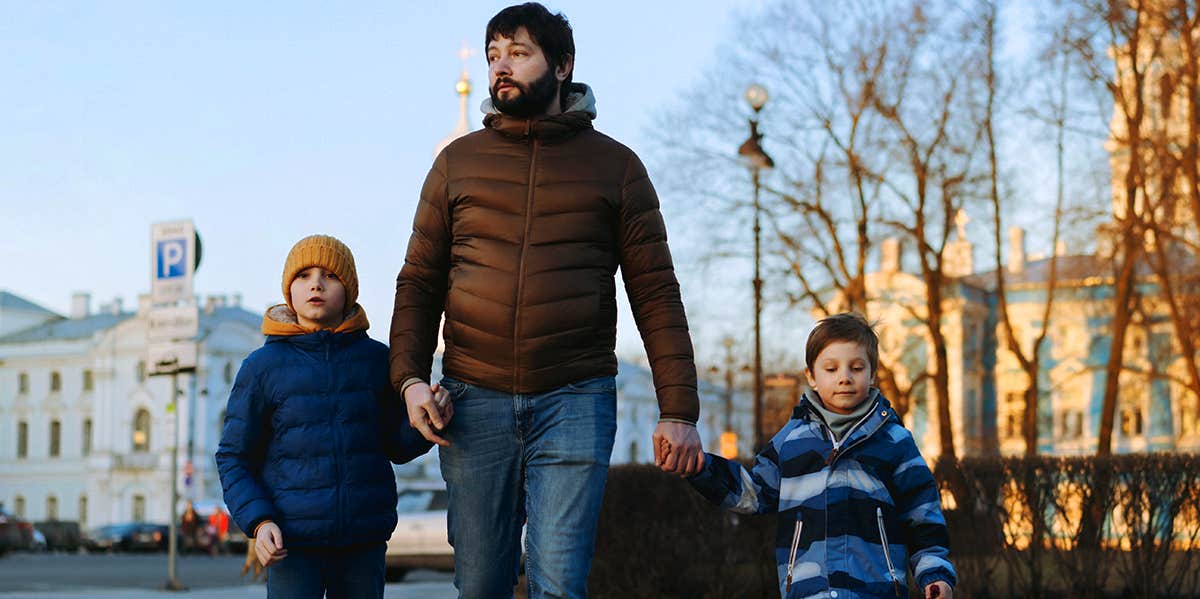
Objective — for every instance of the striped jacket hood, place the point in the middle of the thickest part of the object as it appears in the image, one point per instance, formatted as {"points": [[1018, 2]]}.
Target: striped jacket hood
{"points": [[840, 504]]}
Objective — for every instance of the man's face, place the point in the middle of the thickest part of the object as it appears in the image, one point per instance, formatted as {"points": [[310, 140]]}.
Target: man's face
{"points": [[520, 79]]}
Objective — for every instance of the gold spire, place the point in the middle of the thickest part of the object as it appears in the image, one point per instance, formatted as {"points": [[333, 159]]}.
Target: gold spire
{"points": [[463, 88]]}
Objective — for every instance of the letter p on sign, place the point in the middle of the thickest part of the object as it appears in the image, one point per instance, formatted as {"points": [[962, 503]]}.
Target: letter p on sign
{"points": [[171, 255]]}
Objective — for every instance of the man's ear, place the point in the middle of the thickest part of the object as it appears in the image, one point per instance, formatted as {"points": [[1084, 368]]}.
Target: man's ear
{"points": [[812, 382], [564, 69]]}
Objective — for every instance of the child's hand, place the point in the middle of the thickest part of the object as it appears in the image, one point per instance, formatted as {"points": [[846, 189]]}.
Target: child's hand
{"points": [[445, 407], [424, 413], [939, 589], [268, 544]]}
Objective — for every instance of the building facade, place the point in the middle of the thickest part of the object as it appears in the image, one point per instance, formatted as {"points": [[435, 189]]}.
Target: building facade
{"points": [[88, 436]]}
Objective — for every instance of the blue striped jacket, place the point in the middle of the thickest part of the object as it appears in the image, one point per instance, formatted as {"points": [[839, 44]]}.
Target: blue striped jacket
{"points": [[840, 504]]}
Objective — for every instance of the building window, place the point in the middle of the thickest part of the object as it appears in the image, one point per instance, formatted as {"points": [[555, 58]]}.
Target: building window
{"points": [[55, 438], [52, 508], [1014, 404], [19, 506], [141, 430], [1070, 424], [139, 508], [86, 437], [1131, 421], [228, 373], [22, 439], [23, 382], [55, 382], [83, 511], [89, 382]]}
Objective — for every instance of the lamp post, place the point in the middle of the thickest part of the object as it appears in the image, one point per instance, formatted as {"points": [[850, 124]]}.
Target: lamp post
{"points": [[756, 159]]}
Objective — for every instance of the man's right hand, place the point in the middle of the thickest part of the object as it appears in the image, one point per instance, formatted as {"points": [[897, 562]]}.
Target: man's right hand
{"points": [[429, 410], [268, 544]]}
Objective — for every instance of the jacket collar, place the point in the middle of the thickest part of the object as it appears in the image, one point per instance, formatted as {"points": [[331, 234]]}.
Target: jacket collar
{"points": [[581, 109], [280, 321], [880, 414]]}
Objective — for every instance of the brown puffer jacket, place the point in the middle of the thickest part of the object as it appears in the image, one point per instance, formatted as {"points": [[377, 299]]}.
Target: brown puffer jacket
{"points": [[517, 237]]}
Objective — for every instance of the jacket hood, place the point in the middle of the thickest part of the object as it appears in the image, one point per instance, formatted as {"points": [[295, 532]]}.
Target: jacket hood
{"points": [[280, 320], [581, 109]]}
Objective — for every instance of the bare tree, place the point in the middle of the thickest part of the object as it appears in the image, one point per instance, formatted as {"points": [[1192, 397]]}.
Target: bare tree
{"points": [[872, 128], [1030, 360], [1098, 28]]}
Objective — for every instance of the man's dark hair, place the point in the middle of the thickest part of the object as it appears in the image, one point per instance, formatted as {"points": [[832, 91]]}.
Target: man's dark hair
{"points": [[847, 326], [550, 31]]}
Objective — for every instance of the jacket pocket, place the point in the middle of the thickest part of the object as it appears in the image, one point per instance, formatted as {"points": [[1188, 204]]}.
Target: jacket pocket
{"points": [[887, 553]]}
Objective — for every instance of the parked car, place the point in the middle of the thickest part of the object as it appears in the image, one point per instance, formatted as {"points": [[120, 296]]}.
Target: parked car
{"points": [[15, 534], [61, 535], [39, 541], [128, 536], [419, 540]]}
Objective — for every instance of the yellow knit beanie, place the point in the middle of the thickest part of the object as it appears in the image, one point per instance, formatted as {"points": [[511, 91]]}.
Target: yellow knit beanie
{"points": [[328, 253]]}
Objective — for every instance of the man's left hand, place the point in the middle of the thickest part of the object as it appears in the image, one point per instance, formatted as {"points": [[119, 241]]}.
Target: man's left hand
{"points": [[677, 448]]}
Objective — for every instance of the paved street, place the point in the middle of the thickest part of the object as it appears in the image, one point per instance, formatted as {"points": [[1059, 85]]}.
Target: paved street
{"points": [[141, 576]]}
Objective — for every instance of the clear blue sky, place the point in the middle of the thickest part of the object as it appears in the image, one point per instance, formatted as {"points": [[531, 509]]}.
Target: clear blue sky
{"points": [[265, 122]]}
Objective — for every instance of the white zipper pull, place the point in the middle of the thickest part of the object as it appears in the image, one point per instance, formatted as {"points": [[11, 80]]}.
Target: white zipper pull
{"points": [[792, 555], [887, 556]]}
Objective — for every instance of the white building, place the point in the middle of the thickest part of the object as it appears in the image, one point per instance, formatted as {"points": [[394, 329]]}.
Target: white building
{"points": [[85, 435]]}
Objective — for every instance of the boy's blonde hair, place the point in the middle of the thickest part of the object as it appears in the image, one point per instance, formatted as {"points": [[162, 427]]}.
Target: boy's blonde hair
{"points": [[847, 326]]}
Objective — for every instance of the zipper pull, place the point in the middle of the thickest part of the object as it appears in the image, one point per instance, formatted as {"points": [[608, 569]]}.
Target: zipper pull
{"points": [[792, 556], [837, 448]]}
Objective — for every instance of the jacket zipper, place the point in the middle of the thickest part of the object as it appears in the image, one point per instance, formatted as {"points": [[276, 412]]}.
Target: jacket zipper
{"points": [[887, 555], [521, 269], [837, 443], [337, 444], [792, 554]]}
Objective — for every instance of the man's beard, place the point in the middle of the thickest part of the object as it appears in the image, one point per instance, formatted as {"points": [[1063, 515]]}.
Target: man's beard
{"points": [[533, 98]]}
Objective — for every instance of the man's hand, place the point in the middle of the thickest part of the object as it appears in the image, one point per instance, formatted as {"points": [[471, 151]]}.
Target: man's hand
{"points": [[268, 544], [939, 589], [429, 410], [677, 448]]}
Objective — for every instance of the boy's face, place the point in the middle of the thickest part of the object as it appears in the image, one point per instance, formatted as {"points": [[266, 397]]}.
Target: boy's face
{"points": [[319, 298], [842, 376]]}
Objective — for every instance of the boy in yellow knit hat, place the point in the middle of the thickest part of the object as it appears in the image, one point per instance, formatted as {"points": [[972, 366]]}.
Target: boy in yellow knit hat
{"points": [[310, 426]]}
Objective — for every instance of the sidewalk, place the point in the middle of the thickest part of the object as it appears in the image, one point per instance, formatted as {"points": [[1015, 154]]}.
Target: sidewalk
{"points": [[422, 590]]}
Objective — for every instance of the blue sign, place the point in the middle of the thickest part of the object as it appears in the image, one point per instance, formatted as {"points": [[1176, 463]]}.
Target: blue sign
{"points": [[171, 258]]}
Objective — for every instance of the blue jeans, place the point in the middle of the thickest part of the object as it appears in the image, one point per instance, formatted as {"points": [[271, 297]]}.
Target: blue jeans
{"points": [[308, 573], [541, 455]]}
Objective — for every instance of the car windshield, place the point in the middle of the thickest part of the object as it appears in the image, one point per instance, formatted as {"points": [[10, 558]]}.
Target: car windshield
{"points": [[421, 500]]}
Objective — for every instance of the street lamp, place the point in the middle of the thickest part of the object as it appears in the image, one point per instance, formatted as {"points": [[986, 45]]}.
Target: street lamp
{"points": [[756, 159]]}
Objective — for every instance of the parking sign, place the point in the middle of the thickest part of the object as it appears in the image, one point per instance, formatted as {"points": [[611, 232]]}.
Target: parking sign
{"points": [[173, 257]]}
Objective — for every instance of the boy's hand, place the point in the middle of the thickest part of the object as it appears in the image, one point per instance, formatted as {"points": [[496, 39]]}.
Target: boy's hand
{"points": [[424, 413], [939, 589], [268, 544], [441, 398], [677, 448]]}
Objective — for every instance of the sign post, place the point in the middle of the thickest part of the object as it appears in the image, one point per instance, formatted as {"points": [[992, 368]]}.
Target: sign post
{"points": [[173, 323]]}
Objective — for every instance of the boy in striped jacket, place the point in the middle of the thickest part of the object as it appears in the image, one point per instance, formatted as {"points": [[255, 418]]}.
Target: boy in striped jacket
{"points": [[857, 504]]}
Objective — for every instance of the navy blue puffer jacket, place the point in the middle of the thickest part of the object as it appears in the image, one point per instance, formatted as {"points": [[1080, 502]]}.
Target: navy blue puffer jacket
{"points": [[311, 424]]}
